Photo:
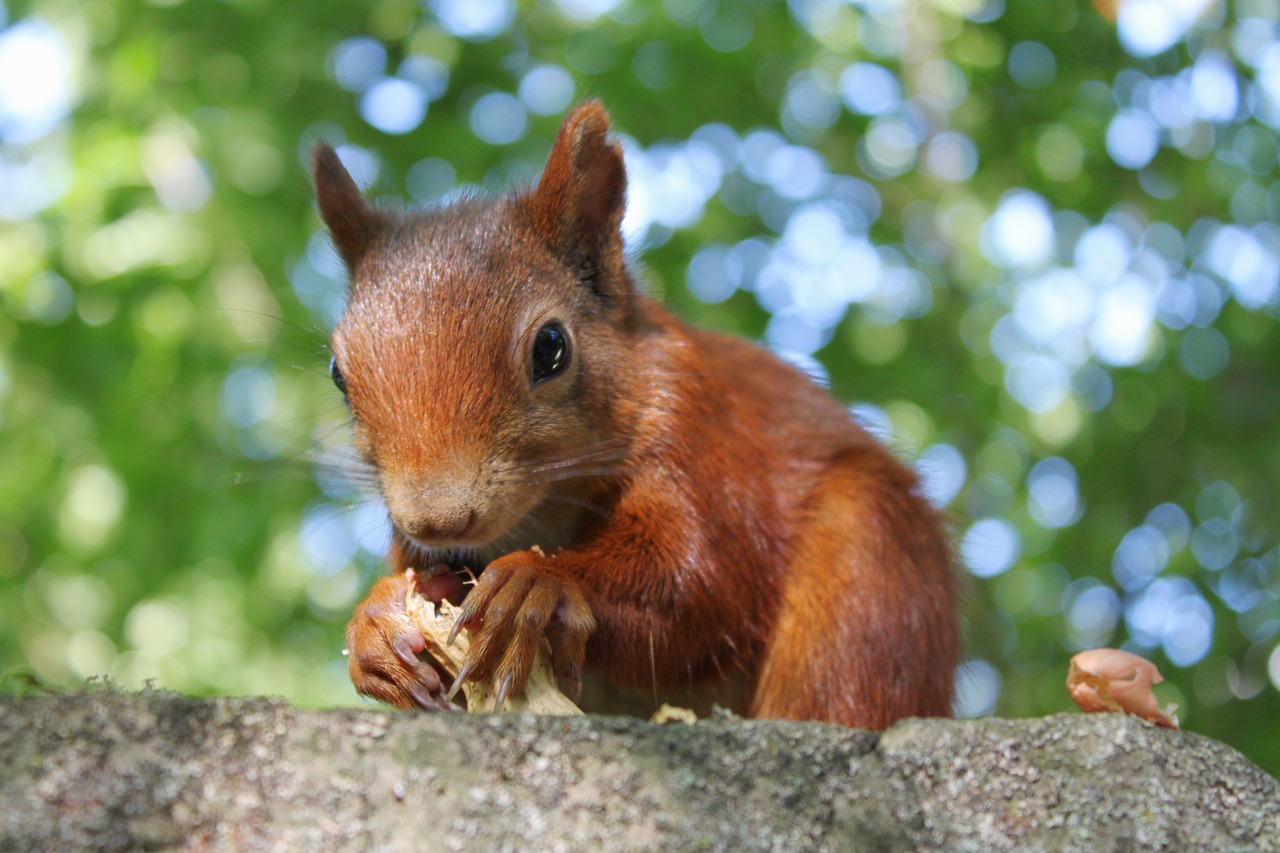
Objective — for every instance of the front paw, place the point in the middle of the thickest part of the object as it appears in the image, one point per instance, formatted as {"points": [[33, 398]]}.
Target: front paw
{"points": [[383, 646], [519, 599]]}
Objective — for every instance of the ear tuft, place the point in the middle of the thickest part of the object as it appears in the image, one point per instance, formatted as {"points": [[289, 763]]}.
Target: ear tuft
{"points": [[353, 222], [578, 205]]}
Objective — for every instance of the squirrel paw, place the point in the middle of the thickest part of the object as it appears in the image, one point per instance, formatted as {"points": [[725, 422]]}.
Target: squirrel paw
{"points": [[517, 601], [383, 648]]}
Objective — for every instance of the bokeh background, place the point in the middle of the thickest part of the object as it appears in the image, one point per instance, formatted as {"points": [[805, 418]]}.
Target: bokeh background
{"points": [[1031, 243]]}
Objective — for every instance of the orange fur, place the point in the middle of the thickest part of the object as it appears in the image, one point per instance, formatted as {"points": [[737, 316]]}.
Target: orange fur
{"points": [[706, 515]]}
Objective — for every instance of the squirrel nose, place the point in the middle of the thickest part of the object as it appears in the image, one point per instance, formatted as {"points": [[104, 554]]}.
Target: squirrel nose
{"points": [[428, 528], [440, 512]]}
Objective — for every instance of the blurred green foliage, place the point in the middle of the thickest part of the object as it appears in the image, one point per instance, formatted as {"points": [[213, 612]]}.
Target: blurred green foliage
{"points": [[1056, 284]]}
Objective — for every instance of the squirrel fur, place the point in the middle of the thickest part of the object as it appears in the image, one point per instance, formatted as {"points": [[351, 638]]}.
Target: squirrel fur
{"points": [[670, 507]]}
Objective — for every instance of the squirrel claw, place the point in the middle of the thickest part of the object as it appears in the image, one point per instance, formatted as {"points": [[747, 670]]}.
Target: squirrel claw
{"points": [[406, 647], [573, 680], [453, 632], [519, 600], [463, 673], [383, 647], [503, 690], [426, 699]]}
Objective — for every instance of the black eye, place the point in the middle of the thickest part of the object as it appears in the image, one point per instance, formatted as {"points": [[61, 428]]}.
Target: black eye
{"points": [[336, 375], [550, 352]]}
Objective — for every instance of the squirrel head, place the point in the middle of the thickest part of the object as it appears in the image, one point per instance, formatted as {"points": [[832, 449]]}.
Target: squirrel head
{"points": [[485, 346]]}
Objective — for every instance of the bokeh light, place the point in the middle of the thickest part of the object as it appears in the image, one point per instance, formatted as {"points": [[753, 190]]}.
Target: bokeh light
{"points": [[477, 20], [1044, 261], [35, 81]]}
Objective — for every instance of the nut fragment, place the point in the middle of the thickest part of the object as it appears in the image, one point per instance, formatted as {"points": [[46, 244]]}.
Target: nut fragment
{"points": [[435, 621], [1116, 680], [669, 714]]}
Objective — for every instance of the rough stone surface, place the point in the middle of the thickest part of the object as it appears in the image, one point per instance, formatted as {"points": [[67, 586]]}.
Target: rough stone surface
{"points": [[113, 771]]}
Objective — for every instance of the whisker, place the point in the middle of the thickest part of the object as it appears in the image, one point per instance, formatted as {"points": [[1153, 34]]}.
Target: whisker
{"points": [[245, 478], [329, 458], [346, 472], [607, 449], [338, 454], [349, 467], [308, 330], [611, 456], [311, 351], [653, 666], [570, 474], [578, 502], [322, 440], [525, 529], [330, 509], [571, 500], [330, 473]]}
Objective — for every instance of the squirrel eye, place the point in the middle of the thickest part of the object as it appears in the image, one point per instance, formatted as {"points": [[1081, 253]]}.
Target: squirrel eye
{"points": [[336, 375], [550, 352]]}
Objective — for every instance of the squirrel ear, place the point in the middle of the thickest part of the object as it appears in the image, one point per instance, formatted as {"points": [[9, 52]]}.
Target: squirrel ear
{"points": [[578, 205], [353, 222]]}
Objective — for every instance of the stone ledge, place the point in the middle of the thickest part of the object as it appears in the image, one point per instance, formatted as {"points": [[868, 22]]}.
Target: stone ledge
{"points": [[113, 771]]}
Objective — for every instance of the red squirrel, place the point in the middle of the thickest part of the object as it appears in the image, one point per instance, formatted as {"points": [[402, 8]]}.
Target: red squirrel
{"points": [[669, 507]]}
